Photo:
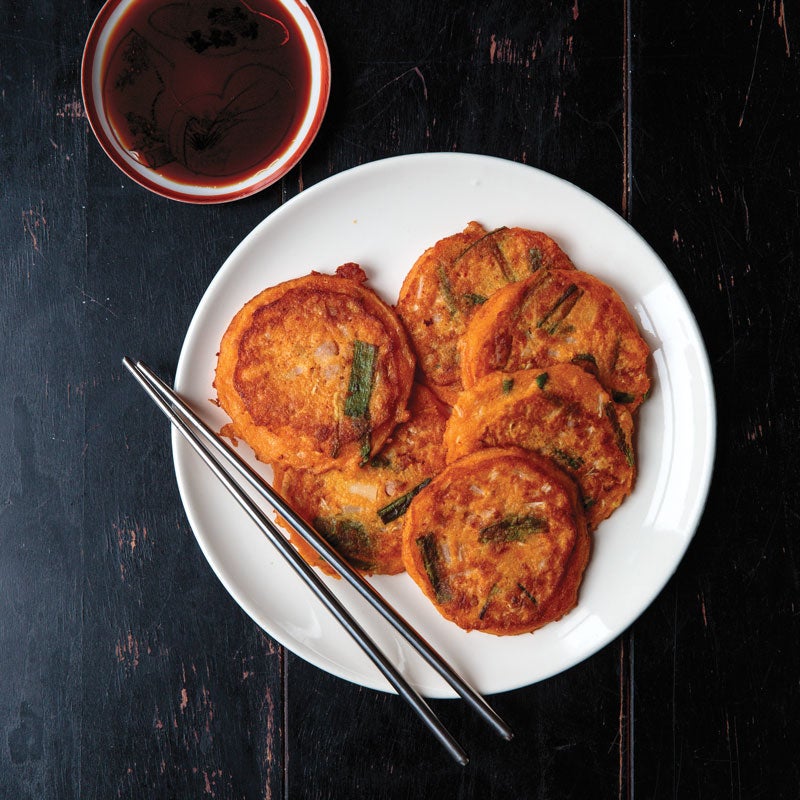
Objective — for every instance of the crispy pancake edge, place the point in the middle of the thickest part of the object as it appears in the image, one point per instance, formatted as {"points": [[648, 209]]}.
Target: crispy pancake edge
{"points": [[421, 435], [444, 288], [497, 330], [274, 446], [469, 468], [505, 399]]}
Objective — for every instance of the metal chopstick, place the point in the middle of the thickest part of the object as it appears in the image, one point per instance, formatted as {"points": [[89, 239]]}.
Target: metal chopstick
{"points": [[321, 546], [306, 573]]}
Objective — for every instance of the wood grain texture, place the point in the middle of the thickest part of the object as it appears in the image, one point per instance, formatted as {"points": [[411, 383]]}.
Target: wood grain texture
{"points": [[42, 189], [126, 671], [717, 196], [195, 690]]}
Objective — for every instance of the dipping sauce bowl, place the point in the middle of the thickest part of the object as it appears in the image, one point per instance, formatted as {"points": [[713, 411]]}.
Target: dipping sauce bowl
{"points": [[205, 101]]}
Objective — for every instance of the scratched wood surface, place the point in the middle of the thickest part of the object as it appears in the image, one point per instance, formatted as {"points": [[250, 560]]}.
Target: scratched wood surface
{"points": [[125, 668]]}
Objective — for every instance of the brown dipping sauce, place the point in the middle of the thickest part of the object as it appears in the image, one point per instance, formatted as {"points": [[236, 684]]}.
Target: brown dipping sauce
{"points": [[213, 89]]}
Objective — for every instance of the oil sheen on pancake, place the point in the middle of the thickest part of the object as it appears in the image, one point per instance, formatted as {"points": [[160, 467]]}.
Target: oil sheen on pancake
{"points": [[452, 279], [498, 542], [559, 316], [315, 371], [562, 413], [360, 509]]}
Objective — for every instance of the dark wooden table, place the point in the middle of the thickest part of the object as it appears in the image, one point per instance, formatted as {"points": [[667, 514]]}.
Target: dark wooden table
{"points": [[127, 671]]}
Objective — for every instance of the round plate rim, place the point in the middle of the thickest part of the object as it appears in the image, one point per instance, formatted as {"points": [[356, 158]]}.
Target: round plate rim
{"points": [[426, 162]]}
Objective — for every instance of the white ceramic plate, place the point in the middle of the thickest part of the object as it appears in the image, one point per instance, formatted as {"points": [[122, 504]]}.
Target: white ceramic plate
{"points": [[383, 215]]}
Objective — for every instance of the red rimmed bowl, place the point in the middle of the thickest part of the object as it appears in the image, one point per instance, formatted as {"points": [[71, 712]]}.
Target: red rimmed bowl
{"points": [[205, 101]]}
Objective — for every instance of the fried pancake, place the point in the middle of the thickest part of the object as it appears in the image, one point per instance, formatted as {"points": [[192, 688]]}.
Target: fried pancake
{"points": [[360, 509], [498, 542], [315, 371], [562, 413], [451, 280], [558, 317]]}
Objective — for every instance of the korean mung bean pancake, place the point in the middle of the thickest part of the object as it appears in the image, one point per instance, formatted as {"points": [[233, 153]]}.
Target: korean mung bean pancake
{"points": [[315, 371], [450, 281], [562, 413], [360, 509], [498, 541], [559, 316]]}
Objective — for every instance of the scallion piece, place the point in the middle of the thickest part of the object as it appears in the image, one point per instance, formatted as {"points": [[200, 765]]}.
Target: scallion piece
{"points": [[587, 362], [506, 266], [447, 290], [622, 397], [492, 592], [362, 374], [359, 392], [535, 259], [622, 441], [349, 537], [578, 357], [527, 594], [567, 459], [555, 316], [431, 561], [513, 528], [399, 505]]}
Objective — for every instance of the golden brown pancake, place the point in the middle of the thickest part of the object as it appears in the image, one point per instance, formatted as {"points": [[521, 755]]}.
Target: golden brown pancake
{"points": [[498, 542], [559, 317], [360, 509], [562, 413], [450, 281], [315, 371]]}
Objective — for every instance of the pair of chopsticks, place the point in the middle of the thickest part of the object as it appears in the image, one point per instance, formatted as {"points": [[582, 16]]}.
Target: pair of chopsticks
{"points": [[214, 451]]}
